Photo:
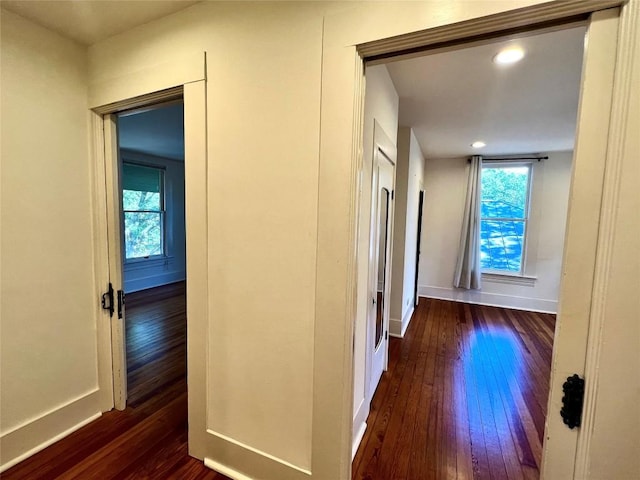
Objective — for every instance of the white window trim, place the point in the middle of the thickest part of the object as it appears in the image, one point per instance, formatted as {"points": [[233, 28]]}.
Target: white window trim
{"points": [[524, 276], [494, 276], [151, 259]]}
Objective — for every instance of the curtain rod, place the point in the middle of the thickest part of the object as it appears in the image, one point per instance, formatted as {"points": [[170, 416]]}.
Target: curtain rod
{"points": [[512, 158]]}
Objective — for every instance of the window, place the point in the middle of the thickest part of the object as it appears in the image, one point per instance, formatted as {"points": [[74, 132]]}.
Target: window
{"points": [[143, 207], [504, 212]]}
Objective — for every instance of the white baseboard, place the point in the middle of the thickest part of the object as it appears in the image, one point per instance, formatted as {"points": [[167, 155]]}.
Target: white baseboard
{"points": [[254, 458], [490, 299], [224, 470], [397, 328], [357, 438], [359, 424], [137, 284], [29, 438]]}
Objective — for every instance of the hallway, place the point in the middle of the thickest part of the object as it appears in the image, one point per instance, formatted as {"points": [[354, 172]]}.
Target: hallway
{"points": [[148, 440], [465, 396]]}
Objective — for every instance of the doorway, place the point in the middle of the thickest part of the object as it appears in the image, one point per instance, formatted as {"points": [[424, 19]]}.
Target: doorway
{"points": [[381, 246], [152, 219], [111, 334], [418, 244], [431, 334]]}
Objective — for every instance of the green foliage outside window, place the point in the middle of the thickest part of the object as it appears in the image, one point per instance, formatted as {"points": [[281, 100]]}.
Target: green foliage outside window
{"points": [[142, 203], [503, 211]]}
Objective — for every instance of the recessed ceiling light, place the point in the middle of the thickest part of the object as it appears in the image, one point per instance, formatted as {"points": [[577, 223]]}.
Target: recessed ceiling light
{"points": [[478, 144], [508, 56]]}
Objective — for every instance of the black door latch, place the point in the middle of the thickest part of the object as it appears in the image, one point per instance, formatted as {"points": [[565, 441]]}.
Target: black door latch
{"points": [[572, 401], [107, 300]]}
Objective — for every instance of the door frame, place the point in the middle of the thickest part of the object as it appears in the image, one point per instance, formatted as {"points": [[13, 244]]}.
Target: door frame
{"points": [[382, 145], [340, 151], [182, 78], [113, 172], [418, 242], [571, 346]]}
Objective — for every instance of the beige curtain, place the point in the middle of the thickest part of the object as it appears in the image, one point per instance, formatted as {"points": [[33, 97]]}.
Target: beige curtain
{"points": [[467, 274]]}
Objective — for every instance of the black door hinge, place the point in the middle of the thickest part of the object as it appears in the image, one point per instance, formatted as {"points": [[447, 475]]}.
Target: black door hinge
{"points": [[572, 401], [120, 302], [386, 335], [392, 194], [107, 300]]}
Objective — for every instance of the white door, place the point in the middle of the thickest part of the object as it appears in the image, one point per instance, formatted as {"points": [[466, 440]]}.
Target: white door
{"points": [[380, 284], [114, 208]]}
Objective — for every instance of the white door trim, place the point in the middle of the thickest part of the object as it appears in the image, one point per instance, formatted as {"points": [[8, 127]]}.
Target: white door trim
{"points": [[114, 238], [101, 263], [382, 144], [195, 176], [626, 52], [184, 78], [581, 238], [344, 47]]}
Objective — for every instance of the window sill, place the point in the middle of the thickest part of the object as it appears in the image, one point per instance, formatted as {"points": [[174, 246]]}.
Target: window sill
{"points": [[509, 278], [140, 263]]}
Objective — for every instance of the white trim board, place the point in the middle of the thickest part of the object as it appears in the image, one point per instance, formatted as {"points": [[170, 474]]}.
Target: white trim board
{"points": [[224, 470], [359, 424], [357, 438], [489, 299], [397, 328], [36, 435], [171, 73], [152, 281], [273, 466]]}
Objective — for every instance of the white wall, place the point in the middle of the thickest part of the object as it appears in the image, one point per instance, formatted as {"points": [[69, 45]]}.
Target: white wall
{"points": [[48, 359], [263, 66], [381, 105], [142, 274], [409, 182], [445, 186], [289, 187]]}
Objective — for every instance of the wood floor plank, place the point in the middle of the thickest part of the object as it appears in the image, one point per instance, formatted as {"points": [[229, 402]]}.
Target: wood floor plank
{"points": [[384, 404], [464, 397]]}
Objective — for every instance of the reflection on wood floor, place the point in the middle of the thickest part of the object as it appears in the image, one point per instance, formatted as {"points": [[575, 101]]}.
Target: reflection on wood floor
{"points": [[465, 396], [148, 440], [156, 332]]}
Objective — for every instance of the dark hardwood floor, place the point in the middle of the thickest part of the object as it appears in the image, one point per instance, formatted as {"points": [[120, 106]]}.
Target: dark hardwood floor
{"points": [[156, 332], [148, 440], [465, 397]]}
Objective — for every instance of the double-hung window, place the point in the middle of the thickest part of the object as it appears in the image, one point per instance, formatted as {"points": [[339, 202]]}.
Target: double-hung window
{"points": [[504, 212], [144, 211]]}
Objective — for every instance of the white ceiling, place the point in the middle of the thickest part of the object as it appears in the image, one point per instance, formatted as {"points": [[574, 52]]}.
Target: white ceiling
{"points": [[89, 21], [454, 98], [450, 99], [159, 131]]}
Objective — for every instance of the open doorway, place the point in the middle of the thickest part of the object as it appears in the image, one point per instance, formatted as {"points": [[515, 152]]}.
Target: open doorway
{"points": [[152, 201], [468, 381]]}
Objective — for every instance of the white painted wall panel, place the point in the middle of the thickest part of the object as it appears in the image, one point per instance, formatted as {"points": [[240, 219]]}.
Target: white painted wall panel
{"points": [[263, 114], [409, 182], [48, 353]]}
